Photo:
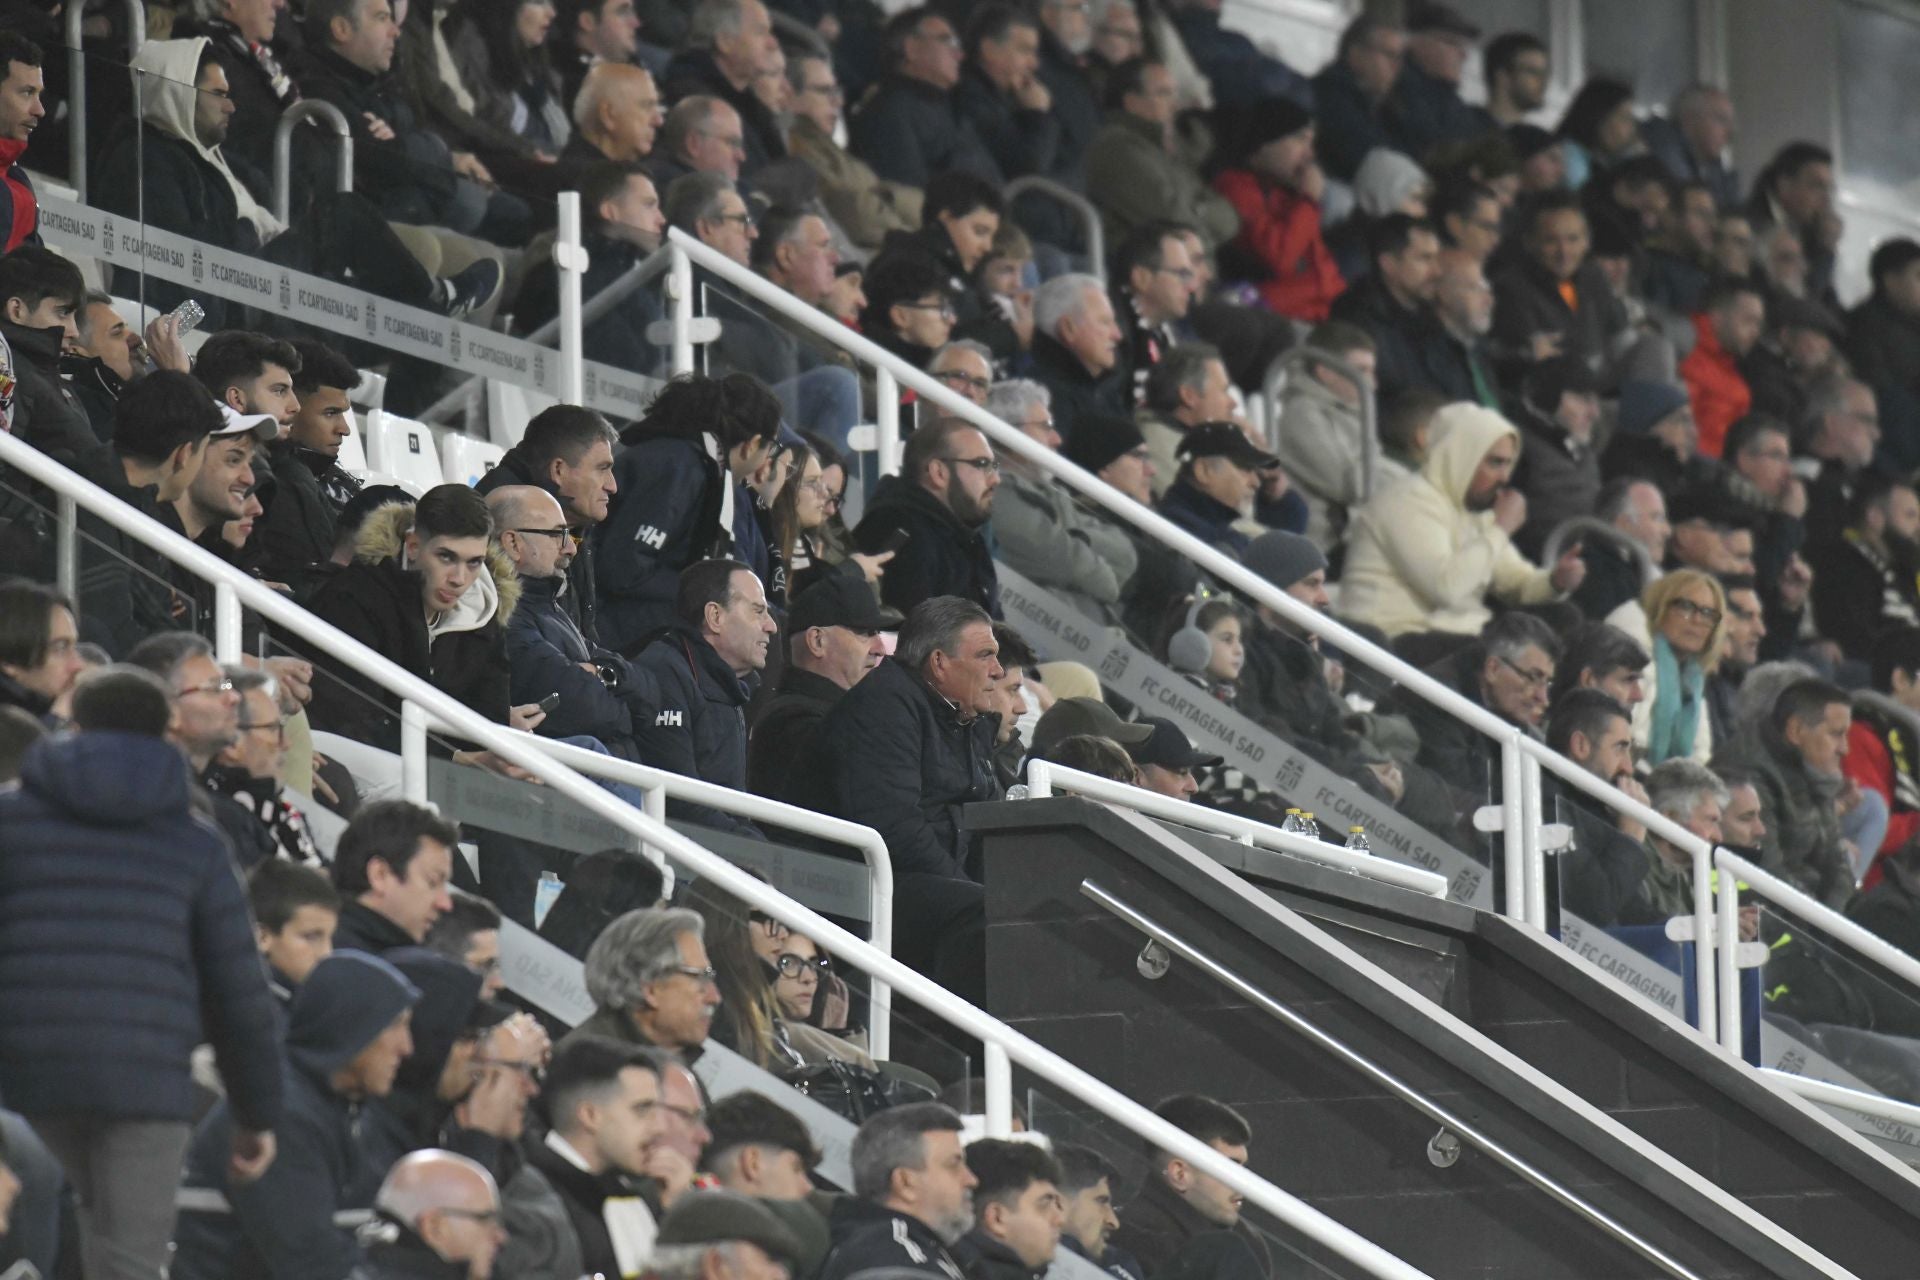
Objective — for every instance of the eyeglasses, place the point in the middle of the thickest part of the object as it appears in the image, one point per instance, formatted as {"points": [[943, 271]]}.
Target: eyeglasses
{"points": [[690, 1115], [1691, 609], [702, 974], [772, 926], [278, 728], [836, 500], [990, 466], [555, 534], [965, 379], [1533, 679], [218, 686], [944, 307], [531, 1070], [792, 966], [744, 219]]}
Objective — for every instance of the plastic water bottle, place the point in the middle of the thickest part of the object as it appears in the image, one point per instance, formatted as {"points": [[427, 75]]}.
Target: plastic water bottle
{"points": [[543, 896], [1357, 840], [1312, 828], [1293, 825], [1018, 791]]}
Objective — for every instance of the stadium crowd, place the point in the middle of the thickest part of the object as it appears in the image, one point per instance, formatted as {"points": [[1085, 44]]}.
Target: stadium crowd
{"points": [[1577, 424]]}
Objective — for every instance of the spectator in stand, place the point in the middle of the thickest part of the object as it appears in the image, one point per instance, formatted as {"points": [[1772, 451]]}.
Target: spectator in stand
{"points": [[1394, 304], [1693, 139], [1762, 493], [1601, 656], [1516, 68], [108, 868], [1557, 411], [1077, 350], [727, 42], [1323, 444], [651, 982], [297, 534], [1458, 367], [681, 497], [1598, 129], [1423, 554], [735, 1237], [39, 643], [1681, 619], [499, 53], [701, 673], [1864, 582], [1795, 762], [861, 203], [1689, 794], [395, 861], [964, 367], [567, 451], [1154, 291], [1679, 260], [1000, 93], [1839, 436], [1555, 300], [1796, 191], [961, 217], [1168, 761], [1746, 628], [573, 1209], [1426, 96], [1066, 46], [1189, 386], [1117, 38], [1041, 529], [759, 1148], [912, 1196], [910, 308], [441, 1214], [251, 772], [1184, 1221], [1353, 94], [1615, 573], [941, 500], [1114, 450], [1086, 1183], [22, 107], [1600, 876], [102, 359], [592, 34], [1275, 186], [347, 1032], [1731, 317], [624, 222], [1880, 754], [616, 113], [1883, 341], [469, 935], [40, 294], [1468, 215], [910, 128], [701, 134], [295, 911], [906, 750], [223, 484], [1239, 72], [1136, 169], [1018, 1211], [1215, 487]]}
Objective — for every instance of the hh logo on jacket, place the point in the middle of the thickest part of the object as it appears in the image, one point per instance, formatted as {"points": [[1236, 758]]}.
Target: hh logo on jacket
{"points": [[668, 720], [655, 538]]}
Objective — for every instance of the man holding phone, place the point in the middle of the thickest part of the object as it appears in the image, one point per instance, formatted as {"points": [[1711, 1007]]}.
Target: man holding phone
{"points": [[933, 515]]}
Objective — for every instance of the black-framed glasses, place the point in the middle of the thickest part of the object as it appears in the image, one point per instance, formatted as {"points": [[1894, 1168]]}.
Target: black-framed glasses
{"points": [[835, 501], [792, 966], [556, 534], [744, 219], [988, 466], [944, 307], [775, 927], [218, 686], [276, 727], [1706, 612], [1533, 679]]}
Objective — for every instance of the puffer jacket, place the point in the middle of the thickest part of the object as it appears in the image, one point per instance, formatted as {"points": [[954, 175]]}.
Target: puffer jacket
{"points": [[1802, 843], [376, 600], [1326, 454], [1418, 560], [1043, 534]]}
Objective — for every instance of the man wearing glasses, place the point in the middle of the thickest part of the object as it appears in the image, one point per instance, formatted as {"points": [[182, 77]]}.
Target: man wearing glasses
{"points": [[1154, 290], [443, 1214], [249, 771], [939, 503]]}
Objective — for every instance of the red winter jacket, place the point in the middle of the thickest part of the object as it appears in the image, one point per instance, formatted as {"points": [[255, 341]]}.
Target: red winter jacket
{"points": [[1719, 392], [1280, 229], [1869, 763]]}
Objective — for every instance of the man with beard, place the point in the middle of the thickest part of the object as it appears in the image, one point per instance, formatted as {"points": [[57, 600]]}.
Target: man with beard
{"points": [[1865, 581], [1463, 301], [939, 504], [912, 1196], [1394, 303], [1601, 874]]}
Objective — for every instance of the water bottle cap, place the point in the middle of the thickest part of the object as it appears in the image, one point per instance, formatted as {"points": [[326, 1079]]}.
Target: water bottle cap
{"points": [[1354, 831], [1308, 814], [1293, 811]]}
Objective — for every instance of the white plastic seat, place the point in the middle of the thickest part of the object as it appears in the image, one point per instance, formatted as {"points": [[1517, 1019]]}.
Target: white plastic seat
{"points": [[353, 450], [464, 458], [402, 448], [509, 409]]}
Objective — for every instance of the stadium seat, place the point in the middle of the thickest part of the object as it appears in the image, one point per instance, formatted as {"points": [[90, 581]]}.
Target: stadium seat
{"points": [[402, 448], [464, 458], [509, 409]]}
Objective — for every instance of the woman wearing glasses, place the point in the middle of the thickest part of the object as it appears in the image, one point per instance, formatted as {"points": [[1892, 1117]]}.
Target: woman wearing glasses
{"points": [[1681, 619]]}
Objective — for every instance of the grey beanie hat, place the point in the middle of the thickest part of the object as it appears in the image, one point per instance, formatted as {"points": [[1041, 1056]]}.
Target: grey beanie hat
{"points": [[1283, 558]]}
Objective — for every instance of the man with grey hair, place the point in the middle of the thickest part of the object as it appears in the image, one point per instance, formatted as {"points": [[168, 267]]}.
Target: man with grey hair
{"points": [[729, 41], [249, 772], [650, 981], [912, 1196], [436, 1214], [616, 116], [964, 367], [1043, 532], [1693, 796], [1841, 432], [905, 751], [1188, 387], [1076, 350], [702, 134]]}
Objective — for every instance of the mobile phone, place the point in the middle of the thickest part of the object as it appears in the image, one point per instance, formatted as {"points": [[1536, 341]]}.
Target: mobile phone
{"points": [[189, 314], [896, 540], [548, 703]]}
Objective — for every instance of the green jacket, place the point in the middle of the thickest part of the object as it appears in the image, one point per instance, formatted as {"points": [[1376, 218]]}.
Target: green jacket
{"points": [[1132, 178], [1044, 536]]}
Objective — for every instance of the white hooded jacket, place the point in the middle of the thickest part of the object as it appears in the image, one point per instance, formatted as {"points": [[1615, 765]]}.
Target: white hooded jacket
{"points": [[167, 103]]}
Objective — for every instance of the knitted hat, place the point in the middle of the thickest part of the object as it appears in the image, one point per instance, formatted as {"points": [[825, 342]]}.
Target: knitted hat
{"points": [[343, 1006], [1283, 558], [1097, 441], [1643, 404], [1269, 120]]}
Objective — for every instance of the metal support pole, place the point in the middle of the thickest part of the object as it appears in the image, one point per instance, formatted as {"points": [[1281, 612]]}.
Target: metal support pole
{"points": [[77, 85], [1729, 899], [1513, 903], [297, 114], [1706, 1007], [570, 259], [226, 624], [999, 1092], [413, 752], [680, 289], [66, 563], [1531, 819], [886, 417]]}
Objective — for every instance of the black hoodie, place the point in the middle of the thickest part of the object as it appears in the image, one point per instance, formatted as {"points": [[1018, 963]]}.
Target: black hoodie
{"points": [[941, 556]]}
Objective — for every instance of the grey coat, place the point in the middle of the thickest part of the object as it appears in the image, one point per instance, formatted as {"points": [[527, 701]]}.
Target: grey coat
{"points": [[1044, 536]]}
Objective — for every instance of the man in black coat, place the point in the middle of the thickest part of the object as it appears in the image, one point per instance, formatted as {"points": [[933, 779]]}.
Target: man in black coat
{"points": [[910, 1201], [295, 536], [1532, 317], [1883, 341], [1600, 875], [392, 866], [1395, 304], [906, 750], [729, 43], [1353, 95], [1017, 1200], [109, 875], [1077, 352], [1185, 1224], [909, 128], [1001, 95], [934, 515], [701, 667], [439, 1217], [40, 294], [833, 636]]}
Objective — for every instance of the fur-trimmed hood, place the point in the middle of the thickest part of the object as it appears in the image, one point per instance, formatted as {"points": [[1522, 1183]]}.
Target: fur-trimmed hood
{"points": [[492, 597]]}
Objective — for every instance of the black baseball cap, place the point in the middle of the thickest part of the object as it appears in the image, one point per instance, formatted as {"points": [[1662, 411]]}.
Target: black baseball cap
{"points": [[1224, 440], [1170, 749], [840, 600]]}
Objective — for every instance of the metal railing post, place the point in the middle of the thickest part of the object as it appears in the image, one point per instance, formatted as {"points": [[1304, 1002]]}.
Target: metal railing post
{"points": [[226, 624], [680, 291], [413, 751], [999, 1101], [1039, 780], [77, 84], [299, 113], [1731, 1035], [570, 260], [1513, 903], [886, 418], [66, 553], [1705, 984], [1082, 207], [1531, 819]]}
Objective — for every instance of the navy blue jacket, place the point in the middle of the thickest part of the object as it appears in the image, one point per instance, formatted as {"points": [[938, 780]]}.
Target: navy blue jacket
{"points": [[941, 556], [1203, 517], [1351, 123], [1431, 112], [545, 649], [286, 1225], [700, 727], [125, 941], [1240, 73]]}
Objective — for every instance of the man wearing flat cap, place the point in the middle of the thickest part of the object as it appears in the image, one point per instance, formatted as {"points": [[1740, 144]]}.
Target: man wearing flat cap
{"points": [[833, 640], [1220, 473], [1080, 718], [722, 1235], [1427, 94]]}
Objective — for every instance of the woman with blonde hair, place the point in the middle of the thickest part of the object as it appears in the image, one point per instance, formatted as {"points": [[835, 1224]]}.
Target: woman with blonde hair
{"points": [[1681, 618]]}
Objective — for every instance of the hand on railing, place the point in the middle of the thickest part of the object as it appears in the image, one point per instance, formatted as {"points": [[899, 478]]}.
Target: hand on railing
{"points": [[493, 764]]}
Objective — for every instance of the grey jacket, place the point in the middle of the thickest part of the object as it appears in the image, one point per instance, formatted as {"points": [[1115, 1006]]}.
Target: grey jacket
{"points": [[1044, 536], [1326, 454]]}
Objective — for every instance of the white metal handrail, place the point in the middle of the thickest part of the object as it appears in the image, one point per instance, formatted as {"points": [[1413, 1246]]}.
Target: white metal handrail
{"points": [[77, 84], [660, 785], [1062, 194], [323, 112], [1838, 1095], [1045, 777], [233, 589]]}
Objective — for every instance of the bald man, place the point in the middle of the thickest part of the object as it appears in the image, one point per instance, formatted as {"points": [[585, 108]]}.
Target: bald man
{"points": [[616, 116], [546, 650], [442, 1214]]}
